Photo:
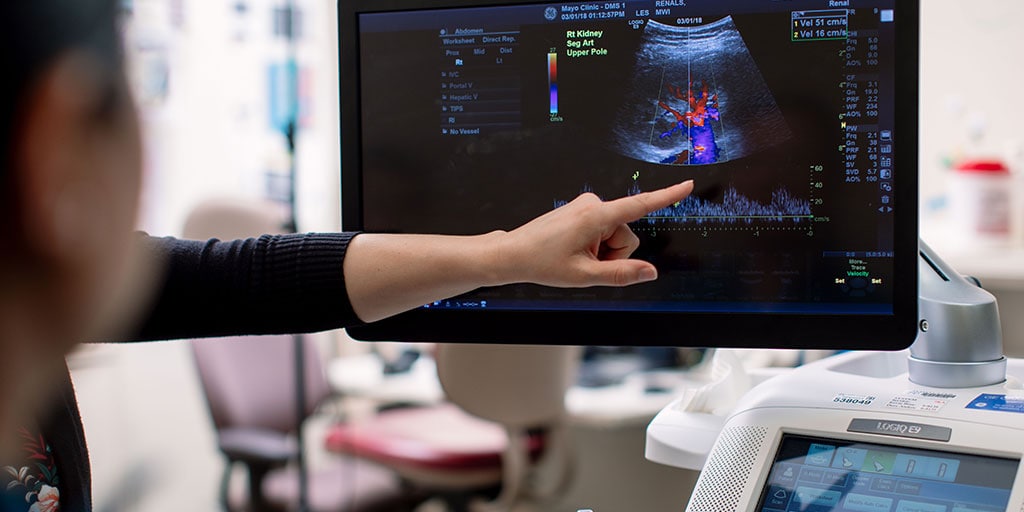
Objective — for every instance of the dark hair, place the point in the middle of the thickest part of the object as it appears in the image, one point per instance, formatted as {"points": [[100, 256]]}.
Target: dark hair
{"points": [[33, 34]]}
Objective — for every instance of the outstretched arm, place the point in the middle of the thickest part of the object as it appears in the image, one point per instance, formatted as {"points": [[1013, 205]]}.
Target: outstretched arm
{"points": [[586, 242]]}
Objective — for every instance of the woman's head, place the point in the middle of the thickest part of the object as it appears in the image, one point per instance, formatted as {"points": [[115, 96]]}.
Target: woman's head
{"points": [[34, 34], [70, 167]]}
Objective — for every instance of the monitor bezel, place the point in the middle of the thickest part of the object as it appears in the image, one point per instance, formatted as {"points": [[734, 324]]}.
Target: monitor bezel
{"points": [[643, 328]]}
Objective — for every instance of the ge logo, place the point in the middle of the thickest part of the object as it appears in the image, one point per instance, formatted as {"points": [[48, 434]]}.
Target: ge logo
{"points": [[550, 13]]}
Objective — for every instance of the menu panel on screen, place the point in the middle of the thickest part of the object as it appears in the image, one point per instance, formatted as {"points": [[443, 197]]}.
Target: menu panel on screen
{"points": [[796, 120], [822, 474]]}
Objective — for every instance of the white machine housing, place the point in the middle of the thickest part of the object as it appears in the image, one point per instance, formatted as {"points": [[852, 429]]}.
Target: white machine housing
{"points": [[952, 393], [822, 399]]}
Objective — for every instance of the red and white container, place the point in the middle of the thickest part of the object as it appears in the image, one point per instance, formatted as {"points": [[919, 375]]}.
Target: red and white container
{"points": [[981, 203]]}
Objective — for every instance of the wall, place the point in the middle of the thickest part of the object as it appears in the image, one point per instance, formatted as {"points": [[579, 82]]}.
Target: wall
{"points": [[971, 71]]}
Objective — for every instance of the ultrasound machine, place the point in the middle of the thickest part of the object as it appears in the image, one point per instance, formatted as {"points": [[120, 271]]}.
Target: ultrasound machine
{"points": [[932, 428], [798, 122]]}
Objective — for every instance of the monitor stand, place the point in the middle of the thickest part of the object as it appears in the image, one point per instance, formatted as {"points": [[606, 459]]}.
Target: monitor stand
{"points": [[959, 342], [959, 347]]}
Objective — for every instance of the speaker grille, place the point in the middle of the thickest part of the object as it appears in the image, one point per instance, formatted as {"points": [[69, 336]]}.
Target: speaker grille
{"points": [[725, 474]]}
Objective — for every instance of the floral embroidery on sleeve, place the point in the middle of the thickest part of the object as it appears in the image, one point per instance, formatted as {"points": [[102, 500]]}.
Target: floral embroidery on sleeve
{"points": [[36, 477]]}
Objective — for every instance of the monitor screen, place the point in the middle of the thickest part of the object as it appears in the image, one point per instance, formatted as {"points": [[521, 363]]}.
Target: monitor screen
{"points": [[828, 474], [796, 120]]}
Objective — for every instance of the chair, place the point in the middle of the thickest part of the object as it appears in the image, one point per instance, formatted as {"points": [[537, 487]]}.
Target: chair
{"points": [[250, 387], [505, 418]]}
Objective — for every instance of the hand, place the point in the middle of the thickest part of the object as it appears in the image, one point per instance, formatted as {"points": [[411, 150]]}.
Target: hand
{"points": [[586, 242]]}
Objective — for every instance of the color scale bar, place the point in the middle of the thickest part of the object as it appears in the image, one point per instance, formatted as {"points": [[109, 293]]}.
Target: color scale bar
{"points": [[553, 81]]}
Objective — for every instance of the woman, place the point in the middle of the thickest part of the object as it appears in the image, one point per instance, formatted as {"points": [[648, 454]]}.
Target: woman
{"points": [[72, 270]]}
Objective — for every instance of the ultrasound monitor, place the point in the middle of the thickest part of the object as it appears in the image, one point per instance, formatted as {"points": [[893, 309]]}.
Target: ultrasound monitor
{"points": [[797, 120]]}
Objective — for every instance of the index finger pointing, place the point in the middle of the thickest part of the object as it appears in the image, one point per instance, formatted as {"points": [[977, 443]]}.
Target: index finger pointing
{"points": [[631, 208]]}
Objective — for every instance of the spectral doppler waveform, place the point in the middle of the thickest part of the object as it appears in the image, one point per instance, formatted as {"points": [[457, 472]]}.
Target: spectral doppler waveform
{"points": [[734, 208]]}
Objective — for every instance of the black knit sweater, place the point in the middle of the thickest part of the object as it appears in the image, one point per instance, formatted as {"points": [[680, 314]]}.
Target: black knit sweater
{"points": [[275, 284]]}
